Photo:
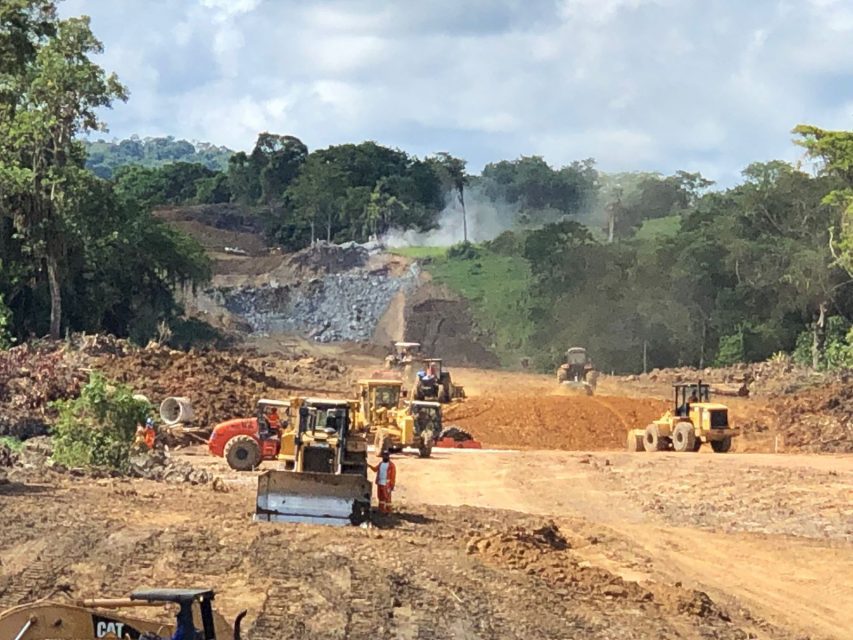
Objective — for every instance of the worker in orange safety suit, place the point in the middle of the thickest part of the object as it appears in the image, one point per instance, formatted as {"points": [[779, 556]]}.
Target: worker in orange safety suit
{"points": [[386, 477]]}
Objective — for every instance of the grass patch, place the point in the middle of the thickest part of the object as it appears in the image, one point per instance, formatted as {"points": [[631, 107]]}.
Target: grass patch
{"points": [[419, 253], [659, 228], [13, 443], [497, 288]]}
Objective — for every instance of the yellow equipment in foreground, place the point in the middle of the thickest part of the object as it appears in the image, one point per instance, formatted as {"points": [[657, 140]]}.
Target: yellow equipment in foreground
{"points": [[693, 421], [100, 619], [328, 480]]}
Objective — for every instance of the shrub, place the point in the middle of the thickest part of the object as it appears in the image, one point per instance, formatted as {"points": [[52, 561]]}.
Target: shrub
{"points": [[97, 428], [463, 251], [838, 347]]}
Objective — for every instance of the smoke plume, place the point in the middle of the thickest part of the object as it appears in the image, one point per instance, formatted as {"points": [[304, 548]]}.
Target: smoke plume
{"points": [[487, 219]]}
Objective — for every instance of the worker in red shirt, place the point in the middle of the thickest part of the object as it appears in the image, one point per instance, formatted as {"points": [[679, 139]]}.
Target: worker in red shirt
{"points": [[386, 477]]}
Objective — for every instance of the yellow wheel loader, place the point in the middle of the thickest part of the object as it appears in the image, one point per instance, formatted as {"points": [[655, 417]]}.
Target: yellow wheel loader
{"points": [[328, 480], [693, 421], [104, 619]]}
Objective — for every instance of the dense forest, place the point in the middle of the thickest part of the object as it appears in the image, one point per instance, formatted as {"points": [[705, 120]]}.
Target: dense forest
{"points": [[103, 157], [622, 263]]}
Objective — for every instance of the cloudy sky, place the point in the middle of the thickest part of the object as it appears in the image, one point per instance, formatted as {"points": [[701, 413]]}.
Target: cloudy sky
{"points": [[706, 85]]}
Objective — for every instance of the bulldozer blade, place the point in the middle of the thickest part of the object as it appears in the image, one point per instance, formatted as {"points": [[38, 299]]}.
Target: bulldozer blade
{"points": [[313, 498]]}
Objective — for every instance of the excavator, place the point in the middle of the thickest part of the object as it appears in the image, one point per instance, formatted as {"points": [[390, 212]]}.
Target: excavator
{"points": [[328, 480], [103, 619]]}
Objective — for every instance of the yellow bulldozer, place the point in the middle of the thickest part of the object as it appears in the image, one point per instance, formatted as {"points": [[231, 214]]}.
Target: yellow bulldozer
{"points": [[327, 482], [396, 426], [693, 421], [103, 619]]}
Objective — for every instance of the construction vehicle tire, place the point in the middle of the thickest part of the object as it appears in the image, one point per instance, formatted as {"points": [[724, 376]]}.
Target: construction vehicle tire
{"points": [[635, 443], [242, 453], [652, 439], [684, 437], [697, 445], [721, 446], [444, 393], [562, 375]]}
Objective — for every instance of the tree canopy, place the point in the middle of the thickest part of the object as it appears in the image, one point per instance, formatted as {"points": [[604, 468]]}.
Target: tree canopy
{"points": [[75, 253]]}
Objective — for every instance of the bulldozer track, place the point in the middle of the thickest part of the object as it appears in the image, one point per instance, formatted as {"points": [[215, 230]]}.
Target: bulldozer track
{"points": [[369, 603], [275, 620]]}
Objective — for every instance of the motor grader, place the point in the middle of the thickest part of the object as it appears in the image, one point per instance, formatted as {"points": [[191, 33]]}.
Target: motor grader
{"points": [[327, 483], [102, 618], [693, 421], [394, 427], [577, 372], [416, 425]]}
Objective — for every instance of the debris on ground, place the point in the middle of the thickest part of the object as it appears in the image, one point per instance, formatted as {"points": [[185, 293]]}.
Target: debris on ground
{"points": [[159, 465], [778, 376], [818, 420], [221, 384], [32, 376]]}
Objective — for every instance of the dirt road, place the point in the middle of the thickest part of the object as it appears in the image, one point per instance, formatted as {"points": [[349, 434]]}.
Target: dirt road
{"points": [[526, 544], [772, 532]]}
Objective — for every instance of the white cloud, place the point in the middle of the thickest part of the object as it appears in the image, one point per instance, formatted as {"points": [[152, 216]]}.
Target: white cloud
{"points": [[637, 84]]}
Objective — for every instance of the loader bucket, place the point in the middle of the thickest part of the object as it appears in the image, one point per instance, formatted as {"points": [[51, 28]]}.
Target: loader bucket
{"points": [[313, 498], [572, 388]]}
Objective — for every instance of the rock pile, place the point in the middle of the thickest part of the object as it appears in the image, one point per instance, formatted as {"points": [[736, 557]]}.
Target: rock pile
{"points": [[325, 257], [159, 465], [335, 307]]}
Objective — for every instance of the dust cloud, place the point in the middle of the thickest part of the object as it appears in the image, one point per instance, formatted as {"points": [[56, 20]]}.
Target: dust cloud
{"points": [[487, 219]]}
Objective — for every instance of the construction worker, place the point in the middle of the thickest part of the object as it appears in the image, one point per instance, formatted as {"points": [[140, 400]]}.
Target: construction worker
{"points": [[386, 477], [150, 433], [274, 419]]}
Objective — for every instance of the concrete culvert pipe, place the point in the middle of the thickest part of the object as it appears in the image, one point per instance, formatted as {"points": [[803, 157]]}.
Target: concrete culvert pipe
{"points": [[175, 410]]}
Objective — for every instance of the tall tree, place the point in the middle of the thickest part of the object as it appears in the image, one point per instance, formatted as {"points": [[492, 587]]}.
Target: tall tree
{"points": [[57, 91], [834, 149], [455, 168]]}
